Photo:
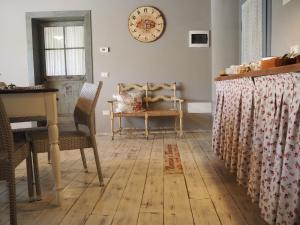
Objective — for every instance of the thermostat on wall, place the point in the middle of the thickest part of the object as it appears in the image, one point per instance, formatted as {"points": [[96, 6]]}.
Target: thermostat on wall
{"points": [[199, 38], [104, 49]]}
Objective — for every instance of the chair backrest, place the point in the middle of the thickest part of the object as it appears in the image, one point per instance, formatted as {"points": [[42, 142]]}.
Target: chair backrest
{"points": [[86, 103], [151, 91], [6, 136]]}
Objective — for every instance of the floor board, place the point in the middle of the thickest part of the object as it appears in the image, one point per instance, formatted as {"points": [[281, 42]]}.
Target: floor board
{"points": [[137, 190]]}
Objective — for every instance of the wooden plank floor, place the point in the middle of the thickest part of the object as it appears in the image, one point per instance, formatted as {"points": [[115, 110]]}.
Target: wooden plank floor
{"points": [[137, 190]]}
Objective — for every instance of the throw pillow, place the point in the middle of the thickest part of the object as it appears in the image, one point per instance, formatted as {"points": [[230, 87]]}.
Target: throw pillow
{"points": [[129, 101]]}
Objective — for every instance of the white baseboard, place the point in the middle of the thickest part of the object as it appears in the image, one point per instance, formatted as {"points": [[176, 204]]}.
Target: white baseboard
{"points": [[199, 107]]}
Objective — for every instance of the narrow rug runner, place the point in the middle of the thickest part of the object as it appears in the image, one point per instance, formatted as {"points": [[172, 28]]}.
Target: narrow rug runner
{"points": [[172, 161]]}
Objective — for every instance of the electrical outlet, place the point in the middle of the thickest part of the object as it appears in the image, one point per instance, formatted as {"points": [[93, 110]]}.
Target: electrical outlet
{"points": [[105, 112], [105, 74]]}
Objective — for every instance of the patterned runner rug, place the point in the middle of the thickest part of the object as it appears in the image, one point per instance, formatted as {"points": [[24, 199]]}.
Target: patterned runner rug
{"points": [[172, 161]]}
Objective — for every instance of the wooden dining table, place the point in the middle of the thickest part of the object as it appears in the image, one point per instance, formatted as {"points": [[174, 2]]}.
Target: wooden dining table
{"points": [[29, 104]]}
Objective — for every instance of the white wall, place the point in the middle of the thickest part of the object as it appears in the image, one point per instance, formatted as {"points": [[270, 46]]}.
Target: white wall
{"points": [[166, 60], [225, 35]]}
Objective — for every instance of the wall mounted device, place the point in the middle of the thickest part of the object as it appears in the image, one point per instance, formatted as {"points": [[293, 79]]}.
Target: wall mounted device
{"points": [[199, 38], [104, 49]]}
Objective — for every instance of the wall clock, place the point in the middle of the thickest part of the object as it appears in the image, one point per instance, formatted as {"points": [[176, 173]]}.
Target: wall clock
{"points": [[146, 24]]}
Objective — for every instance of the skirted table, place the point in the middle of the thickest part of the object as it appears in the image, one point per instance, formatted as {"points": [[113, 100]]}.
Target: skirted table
{"points": [[256, 131]]}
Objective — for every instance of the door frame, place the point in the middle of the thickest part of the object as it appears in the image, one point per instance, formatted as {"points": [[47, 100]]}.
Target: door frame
{"points": [[33, 19]]}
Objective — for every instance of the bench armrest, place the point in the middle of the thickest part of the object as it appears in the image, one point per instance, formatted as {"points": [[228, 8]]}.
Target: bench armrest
{"points": [[111, 105], [179, 100]]}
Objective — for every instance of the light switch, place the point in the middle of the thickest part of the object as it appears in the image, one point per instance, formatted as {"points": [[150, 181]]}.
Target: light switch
{"points": [[105, 74], [104, 49]]}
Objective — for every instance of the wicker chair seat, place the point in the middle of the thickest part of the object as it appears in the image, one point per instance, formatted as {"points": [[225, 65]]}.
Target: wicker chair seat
{"points": [[68, 140]]}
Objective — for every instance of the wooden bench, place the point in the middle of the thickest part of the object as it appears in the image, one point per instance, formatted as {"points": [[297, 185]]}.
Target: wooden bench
{"points": [[150, 98]]}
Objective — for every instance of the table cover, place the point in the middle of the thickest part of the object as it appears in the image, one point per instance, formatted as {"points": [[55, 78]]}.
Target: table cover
{"points": [[256, 131]]}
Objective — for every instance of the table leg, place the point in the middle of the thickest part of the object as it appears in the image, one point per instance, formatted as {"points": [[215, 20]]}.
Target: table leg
{"points": [[51, 107]]}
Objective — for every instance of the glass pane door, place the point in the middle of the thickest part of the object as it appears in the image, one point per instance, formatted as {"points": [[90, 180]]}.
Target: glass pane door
{"points": [[64, 50]]}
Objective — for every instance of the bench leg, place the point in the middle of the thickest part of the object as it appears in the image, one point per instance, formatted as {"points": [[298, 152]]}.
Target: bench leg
{"points": [[180, 125], [146, 127], [120, 125], [112, 126]]}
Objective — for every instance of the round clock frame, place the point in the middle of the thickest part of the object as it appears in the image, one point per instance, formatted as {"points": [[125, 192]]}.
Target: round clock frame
{"points": [[146, 24]]}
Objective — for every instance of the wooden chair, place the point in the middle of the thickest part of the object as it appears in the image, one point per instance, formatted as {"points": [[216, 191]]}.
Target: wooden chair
{"points": [[73, 139], [13, 150]]}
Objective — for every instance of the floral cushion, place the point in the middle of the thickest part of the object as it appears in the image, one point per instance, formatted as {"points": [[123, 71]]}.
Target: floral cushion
{"points": [[129, 101]]}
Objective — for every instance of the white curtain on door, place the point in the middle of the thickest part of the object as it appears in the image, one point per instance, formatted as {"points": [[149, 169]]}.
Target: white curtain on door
{"points": [[54, 53], [75, 61], [64, 50], [251, 31], [75, 57]]}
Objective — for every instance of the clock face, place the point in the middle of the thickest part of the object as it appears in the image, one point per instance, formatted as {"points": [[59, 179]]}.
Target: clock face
{"points": [[146, 24]]}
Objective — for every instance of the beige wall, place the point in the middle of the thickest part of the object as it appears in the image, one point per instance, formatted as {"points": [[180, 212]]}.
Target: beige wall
{"points": [[166, 60], [285, 26]]}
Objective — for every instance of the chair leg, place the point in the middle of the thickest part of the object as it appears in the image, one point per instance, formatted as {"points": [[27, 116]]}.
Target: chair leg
{"points": [[12, 197], [146, 127], [37, 176], [49, 157], [112, 126], [83, 160], [180, 126], [96, 155], [30, 177], [120, 125]]}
